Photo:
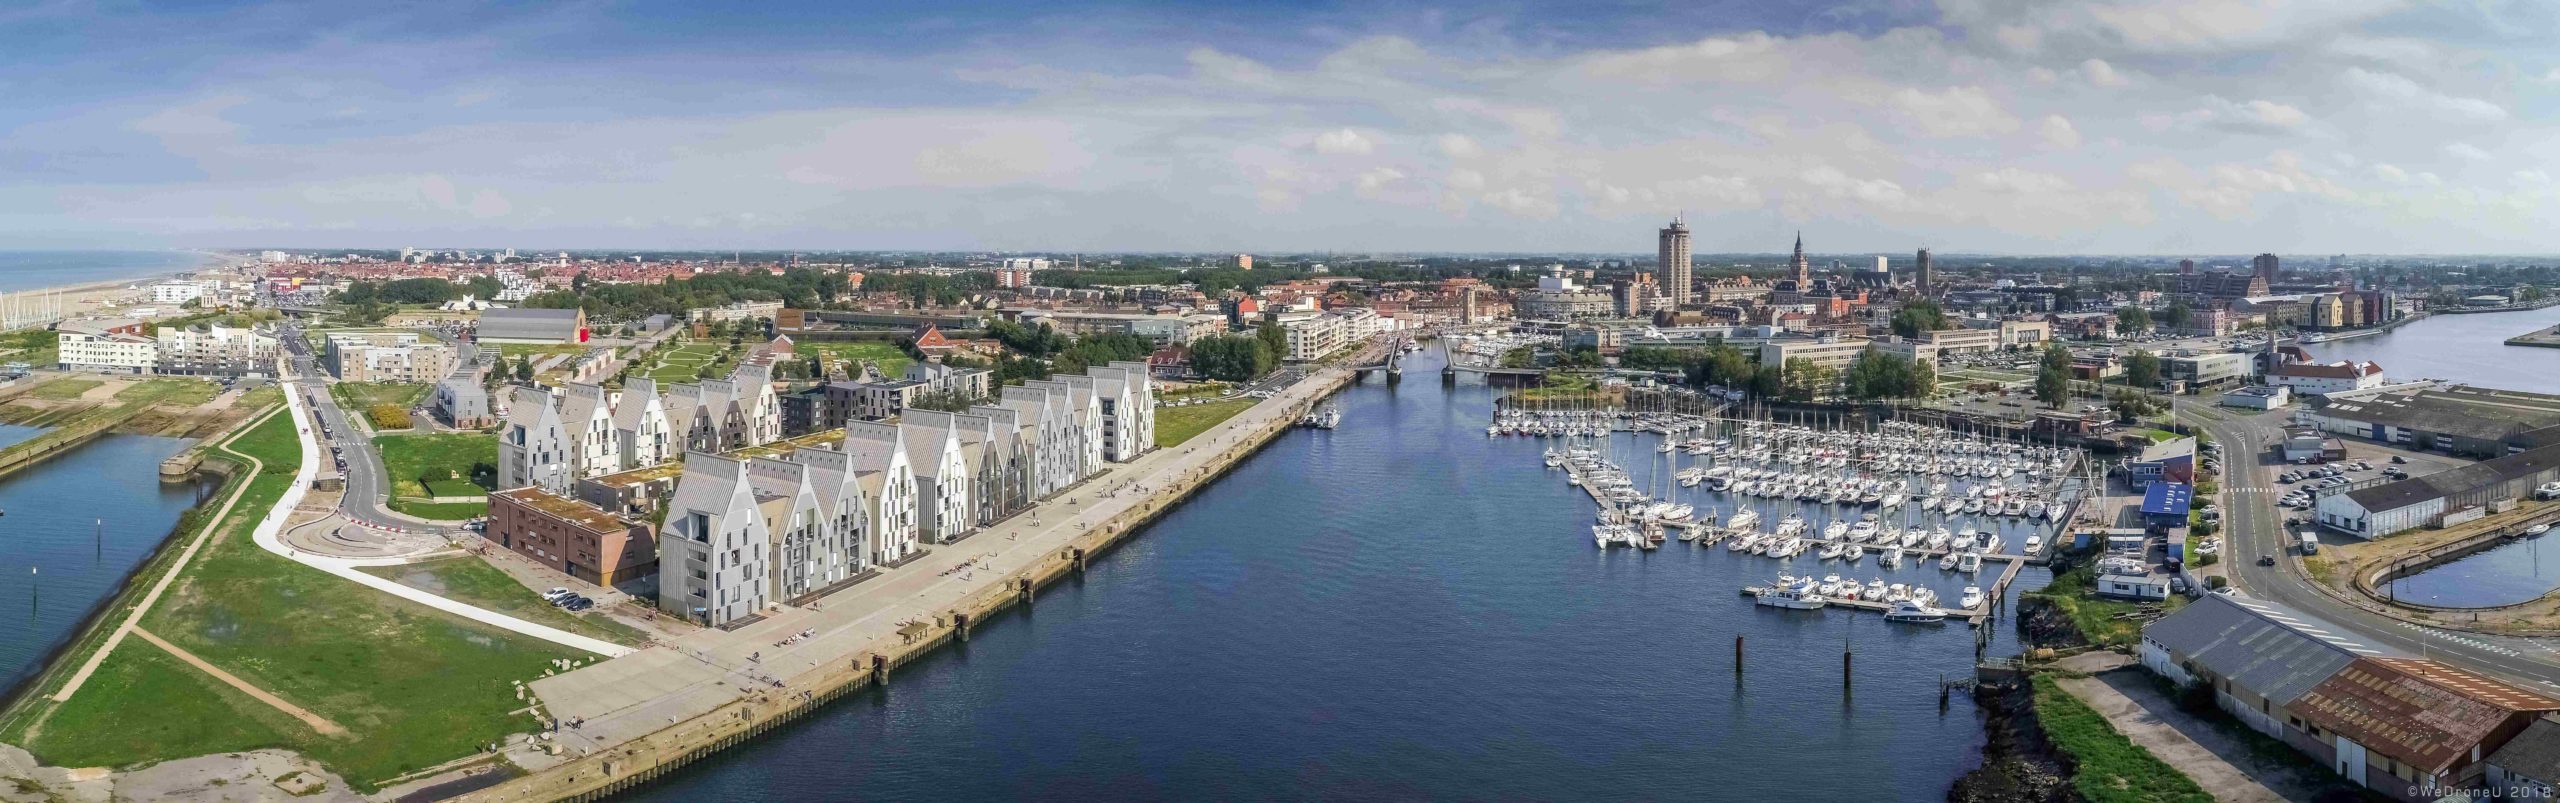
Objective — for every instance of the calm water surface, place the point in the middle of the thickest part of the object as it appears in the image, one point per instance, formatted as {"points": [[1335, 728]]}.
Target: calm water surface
{"points": [[1402, 607], [2514, 572], [2462, 348], [56, 561]]}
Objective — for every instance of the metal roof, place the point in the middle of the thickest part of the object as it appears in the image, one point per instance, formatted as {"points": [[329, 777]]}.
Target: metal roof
{"points": [[2535, 753], [2457, 480], [2423, 712], [2167, 499], [2269, 648]]}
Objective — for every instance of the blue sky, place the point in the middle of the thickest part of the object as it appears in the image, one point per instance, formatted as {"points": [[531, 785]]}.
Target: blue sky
{"points": [[2071, 126]]}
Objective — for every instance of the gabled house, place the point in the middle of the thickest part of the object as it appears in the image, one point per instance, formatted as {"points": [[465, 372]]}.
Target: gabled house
{"points": [[586, 418], [640, 426], [879, 459], [713, 563], [942, 475], [534, 450], [841, 506], [802, 550]]}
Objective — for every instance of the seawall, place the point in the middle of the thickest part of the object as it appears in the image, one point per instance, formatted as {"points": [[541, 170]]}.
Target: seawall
{"points": [[641, 760]]}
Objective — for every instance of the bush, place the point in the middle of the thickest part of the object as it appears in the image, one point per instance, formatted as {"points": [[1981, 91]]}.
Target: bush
{"points": [[388, 416]]}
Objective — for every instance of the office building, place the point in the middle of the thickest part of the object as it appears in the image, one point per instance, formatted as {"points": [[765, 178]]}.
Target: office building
{"points": [[1671, 256], [571, 537]]}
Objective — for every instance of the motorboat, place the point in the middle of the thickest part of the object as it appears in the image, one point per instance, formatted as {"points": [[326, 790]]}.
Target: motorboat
{"points": [[1947, 562], [1830, 586], [1835, 531], [1793, 598], [1970, 599], [1743, 519], [2034, 544], [1874, 591], [1890, 558], [1852, 552], [1910, 612]]}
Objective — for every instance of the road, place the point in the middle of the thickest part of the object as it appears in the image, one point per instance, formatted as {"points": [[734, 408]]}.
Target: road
{"points": [[2255, 527], [368, 482]]}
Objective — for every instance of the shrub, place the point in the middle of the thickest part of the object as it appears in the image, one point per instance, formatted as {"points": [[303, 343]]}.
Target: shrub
{"points": [[388, 416]]}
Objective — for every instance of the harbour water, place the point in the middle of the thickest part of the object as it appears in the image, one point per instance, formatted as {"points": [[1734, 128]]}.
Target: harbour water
{"points": [[74, 526], [2462, 348], [2513, 572], [31, 270], [1400, 607]]}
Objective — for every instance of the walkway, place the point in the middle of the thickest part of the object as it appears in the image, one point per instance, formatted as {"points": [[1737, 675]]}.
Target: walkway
{"points": [[269, 536], [133, 621], [2220, 762], [316, 721]]}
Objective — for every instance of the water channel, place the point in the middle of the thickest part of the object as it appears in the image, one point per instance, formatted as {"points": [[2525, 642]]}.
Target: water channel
{"points": [[71, 529], [1402, 607]]}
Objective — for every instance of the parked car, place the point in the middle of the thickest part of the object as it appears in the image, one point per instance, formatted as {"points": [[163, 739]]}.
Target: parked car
{"points": [[580, 604], [557, 594], [2396, 459]]}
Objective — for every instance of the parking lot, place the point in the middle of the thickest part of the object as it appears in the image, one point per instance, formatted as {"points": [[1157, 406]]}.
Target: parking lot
{"points": [[2366, 462]]}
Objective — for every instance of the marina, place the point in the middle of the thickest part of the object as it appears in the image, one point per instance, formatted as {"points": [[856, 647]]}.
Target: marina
{"points": [[1821, 502]]}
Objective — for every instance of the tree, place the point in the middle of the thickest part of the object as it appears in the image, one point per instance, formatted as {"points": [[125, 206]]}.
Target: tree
{"points": [[1232, 358], [2053, 376], [2142, 370], [1803, 379], [2178, 316], [1273, 338], [2130, 318], [524, 368], [1922, 315], [1518, 357], [1880, 375], [1767, 381]]}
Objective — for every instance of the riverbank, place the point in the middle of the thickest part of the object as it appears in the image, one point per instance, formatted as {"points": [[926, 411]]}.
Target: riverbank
{"points": [[637, 718], [2547, 337]]}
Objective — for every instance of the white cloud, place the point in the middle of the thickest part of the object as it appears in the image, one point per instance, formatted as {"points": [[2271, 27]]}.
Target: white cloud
{"points": [[1460, 146], [2058, 132], [1962, 111], [2100, 73], [1343, 141], [2398, 90], [2466, 152]]}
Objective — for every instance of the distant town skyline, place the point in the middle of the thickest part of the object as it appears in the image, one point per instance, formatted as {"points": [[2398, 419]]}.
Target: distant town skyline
{"points": [[1996, 127]]}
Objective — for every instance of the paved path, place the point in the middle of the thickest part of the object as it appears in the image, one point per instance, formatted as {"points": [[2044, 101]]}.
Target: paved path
{"points": [[2219, 762], [269, 536], [316, 721], [133, 621]]}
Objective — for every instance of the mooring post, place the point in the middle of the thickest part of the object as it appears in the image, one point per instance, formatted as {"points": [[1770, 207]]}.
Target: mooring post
{"points": [[1844, 669], [1737, 653], [960, 622], [1079, 561], [1028, 591], [880, 670]]}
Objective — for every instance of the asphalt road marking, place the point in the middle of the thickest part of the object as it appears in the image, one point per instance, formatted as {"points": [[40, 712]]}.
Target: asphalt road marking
{"points": [[2466, 641]]}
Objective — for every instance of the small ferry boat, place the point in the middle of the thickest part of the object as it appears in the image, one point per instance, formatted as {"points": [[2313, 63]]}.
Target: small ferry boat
{"points": [[1914, 613]]}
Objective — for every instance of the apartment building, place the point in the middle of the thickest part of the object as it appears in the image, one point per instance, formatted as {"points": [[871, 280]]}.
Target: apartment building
{"points": [[387, 357], [873, 398], [214, 350], [640, 425], [941, 475], [572, 537], [534, 450], [106, 346], [879, 458], [714, 563], [586, 420]]}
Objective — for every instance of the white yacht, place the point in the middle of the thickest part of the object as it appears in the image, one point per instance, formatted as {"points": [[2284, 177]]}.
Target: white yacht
{"points": [[1971, 599], [1915, 613]]}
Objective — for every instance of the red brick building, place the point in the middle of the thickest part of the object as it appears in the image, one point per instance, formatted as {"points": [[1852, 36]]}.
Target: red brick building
{"points": [[572, 536]]}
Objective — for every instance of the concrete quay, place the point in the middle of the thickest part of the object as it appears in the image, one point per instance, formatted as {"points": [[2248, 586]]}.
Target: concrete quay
{"points": [[632, 719], [2547, 337]]}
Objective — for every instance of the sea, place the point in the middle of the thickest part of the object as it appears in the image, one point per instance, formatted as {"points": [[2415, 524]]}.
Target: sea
{"points": [[1400, 608], [34, 270]]}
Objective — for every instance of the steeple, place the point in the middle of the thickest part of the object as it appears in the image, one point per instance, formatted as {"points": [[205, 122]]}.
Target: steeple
{"points": [[1799, 245]]}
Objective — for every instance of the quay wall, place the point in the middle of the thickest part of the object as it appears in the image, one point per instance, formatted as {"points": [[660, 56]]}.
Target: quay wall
{"points": [[608, 772]]}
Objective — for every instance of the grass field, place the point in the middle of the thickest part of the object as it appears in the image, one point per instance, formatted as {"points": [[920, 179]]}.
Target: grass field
{"points": [[680, 364], [892, 361], [2096, 617], [472, 580], [36, 347], [1177, 424], [187, 392], [62, 389], [356, 397], [415, 687], [437, 465], [2108, 767], [514, 350]]}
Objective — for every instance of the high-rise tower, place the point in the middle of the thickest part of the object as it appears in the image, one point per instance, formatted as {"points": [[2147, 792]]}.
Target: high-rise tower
{"points": [[2266, 266], [1799, 267], [1671, 255], [1924, 277]]}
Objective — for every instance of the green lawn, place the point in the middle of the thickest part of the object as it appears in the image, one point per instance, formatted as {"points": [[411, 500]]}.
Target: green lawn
{"points": [[186, 709], [2108, 768], [37, 347], [681, 364], [892, 361], [260, 396], [189, 392], [2096, 617], [415, 687], [472, 580], [62, 389], [438, 465], [1177, 424], [514, 350], [356, 397]]}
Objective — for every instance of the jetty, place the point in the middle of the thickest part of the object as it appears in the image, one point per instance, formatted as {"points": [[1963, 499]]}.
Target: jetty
{"points": [[2548, 338]]}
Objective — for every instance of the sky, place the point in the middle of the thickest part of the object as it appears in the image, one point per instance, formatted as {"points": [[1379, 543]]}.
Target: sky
{"points": [[1970, 126]]}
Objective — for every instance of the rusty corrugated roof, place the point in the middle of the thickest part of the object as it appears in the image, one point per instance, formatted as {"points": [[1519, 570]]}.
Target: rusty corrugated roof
{"points": [[2422, 712]]}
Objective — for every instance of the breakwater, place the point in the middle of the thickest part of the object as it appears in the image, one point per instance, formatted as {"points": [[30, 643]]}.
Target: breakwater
{"points": [[638, 761]]}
